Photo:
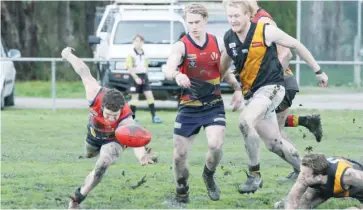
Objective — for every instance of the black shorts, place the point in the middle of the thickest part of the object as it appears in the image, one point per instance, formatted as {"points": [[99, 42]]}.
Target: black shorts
{"points": [[287, 101], [135, 88], [98, 142]]}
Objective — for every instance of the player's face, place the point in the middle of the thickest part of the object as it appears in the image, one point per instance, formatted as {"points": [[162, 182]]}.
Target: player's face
{"points": [[110, 116], [196, 24], [309, 177], [138, 43], [237, 18]]}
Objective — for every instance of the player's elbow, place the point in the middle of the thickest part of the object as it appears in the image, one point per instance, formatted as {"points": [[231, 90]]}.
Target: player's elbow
{"points": [[168, 74]]}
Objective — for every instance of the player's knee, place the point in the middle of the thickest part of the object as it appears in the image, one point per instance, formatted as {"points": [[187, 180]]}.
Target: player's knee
{"points": [[215, 144], [245, 125], [180, 154], [101, 167]]}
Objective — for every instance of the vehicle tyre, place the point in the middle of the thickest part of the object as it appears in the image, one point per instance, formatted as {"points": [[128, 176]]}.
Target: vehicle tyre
{"points": [[9, 100]]}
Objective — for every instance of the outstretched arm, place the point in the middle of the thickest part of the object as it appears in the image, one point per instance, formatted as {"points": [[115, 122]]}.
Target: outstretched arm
{"points": [[90, 83], [275, 35], [284, 54]]}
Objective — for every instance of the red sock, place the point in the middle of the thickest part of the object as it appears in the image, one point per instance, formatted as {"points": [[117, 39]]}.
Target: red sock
{"points": [[292, 121]]}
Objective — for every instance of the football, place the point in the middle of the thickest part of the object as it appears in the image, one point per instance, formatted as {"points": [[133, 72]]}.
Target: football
{"points": [[133, 135]]}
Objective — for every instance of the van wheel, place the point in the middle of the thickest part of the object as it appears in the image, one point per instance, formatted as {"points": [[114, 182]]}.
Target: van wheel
{"points": [[9, 100]]}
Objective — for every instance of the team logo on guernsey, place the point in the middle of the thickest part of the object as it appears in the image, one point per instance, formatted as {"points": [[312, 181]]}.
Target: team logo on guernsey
{"points": [[192, 63], [257, 44], [232, 45], [214, 56]]}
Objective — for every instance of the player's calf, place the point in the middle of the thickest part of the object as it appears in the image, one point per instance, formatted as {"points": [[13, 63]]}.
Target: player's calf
{"points": [[181, 172]]}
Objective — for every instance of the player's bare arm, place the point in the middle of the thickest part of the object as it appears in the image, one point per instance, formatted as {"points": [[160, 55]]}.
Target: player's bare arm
{"points": [[90, 83], [276, 35], [353, 177], [304, 180], [295, 194], [142, 155], [175, 58], [284, 54]]}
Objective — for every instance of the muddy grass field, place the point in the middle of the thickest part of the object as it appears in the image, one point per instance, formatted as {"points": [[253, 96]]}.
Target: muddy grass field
{"points": [[40, 165]]}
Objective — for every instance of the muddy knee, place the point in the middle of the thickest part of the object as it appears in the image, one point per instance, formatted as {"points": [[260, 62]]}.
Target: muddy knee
{"points": [[245, 126], [275, 146], [100, 169], [180, 155]]}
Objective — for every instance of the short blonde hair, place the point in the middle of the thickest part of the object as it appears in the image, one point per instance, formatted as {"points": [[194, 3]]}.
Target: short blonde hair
{"points": [[239, 3], [196, 9]]}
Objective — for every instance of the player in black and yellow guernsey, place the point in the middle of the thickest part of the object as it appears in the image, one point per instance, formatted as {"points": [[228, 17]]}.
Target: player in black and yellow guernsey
{"points": [[323, 178], [252, 47]]}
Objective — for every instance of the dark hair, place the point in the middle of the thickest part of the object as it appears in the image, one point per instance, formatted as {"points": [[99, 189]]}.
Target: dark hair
{"points": [[113, 100], [317, 162]]}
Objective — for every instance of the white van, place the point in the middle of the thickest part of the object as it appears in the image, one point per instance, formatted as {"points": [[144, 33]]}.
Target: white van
{"points": [[7, 76]]}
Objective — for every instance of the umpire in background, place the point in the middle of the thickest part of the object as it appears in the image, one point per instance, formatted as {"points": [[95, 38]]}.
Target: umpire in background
{"points": [[137, 64]]}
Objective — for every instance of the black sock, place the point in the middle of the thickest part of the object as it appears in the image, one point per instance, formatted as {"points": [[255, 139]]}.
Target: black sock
{"points": [[207, 171], [152, 109], [133, 109], [302, 120], [255, 169]]}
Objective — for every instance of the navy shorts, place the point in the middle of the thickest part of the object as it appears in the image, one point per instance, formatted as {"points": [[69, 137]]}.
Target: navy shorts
{"points": [[189, 123]]}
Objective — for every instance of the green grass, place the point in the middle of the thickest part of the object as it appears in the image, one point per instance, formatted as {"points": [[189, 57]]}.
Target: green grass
{"points": [[40, 165], [43, 89]]}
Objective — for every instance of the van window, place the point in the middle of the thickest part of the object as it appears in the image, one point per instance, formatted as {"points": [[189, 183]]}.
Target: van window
{"points": [[154, 32]]}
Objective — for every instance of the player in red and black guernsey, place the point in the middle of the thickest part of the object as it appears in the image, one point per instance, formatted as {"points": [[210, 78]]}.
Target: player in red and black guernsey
{"points": [[311, 122], [197, 58], [252, 47], [108, 110]]}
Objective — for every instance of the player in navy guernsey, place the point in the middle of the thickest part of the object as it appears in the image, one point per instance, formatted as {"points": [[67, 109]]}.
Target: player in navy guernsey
{"points": [[194, 64]]}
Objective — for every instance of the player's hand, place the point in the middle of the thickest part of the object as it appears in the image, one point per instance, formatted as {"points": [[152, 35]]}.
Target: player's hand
{"points": [[66, 52], [323, 79], [237, 99], [138, 81], [183, 80], [146, 158]]}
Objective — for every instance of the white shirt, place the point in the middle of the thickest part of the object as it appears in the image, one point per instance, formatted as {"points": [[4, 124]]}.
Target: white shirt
{"points": [[137, 62]]}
